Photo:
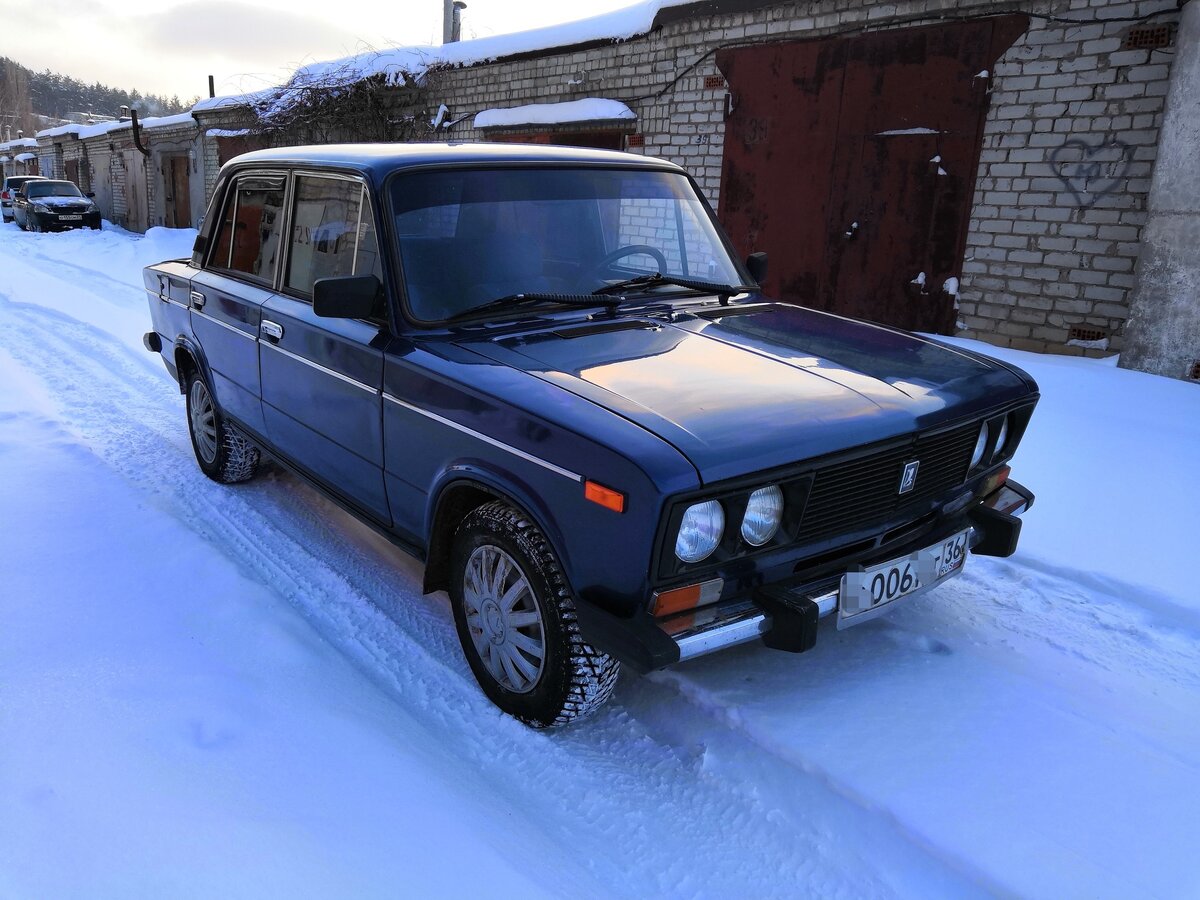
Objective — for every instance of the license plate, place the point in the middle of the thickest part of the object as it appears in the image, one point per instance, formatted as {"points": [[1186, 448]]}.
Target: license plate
{"points": [[70, 218], [868, 591]]}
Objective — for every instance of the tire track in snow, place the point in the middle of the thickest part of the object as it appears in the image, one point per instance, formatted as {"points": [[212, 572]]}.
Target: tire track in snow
{"points": [[608, 785]]}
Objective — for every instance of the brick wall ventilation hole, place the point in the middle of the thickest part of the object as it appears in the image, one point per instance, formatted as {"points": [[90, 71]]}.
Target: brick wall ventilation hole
{"points": [[1195, 372], [636, 140], [1149, 37], [1079, 333], [714, 81]]}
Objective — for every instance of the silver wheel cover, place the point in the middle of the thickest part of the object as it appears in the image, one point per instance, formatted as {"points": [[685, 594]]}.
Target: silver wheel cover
{"points": [[203, 420], [504, 619]]}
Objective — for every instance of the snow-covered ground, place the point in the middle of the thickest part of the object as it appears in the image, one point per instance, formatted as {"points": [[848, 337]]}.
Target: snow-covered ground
{"points": [[240, 692]]}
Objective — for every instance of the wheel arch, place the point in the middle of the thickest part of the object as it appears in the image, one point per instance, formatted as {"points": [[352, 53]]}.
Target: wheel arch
{"points": [[188, 359], [454, 499]]}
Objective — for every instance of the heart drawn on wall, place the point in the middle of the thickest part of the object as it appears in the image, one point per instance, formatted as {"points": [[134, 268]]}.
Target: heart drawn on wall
{"points": [[1091, 173]]}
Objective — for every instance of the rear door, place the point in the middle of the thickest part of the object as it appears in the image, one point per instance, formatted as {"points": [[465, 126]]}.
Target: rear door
{"points": [[226, 298], [321, 378]]}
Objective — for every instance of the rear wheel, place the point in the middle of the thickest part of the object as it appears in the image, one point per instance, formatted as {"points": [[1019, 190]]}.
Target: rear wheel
{"points": [[223, 454], [517, 623]]}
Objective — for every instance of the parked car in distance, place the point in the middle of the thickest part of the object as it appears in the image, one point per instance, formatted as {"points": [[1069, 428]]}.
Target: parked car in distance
{"points": [[8, 192], [544, 372], [47, 205]]}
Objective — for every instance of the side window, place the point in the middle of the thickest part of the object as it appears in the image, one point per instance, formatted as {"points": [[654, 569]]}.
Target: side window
{"points": [[333, 233], [249, 237]]}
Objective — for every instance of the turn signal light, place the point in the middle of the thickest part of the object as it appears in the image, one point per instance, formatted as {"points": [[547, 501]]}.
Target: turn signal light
{"points": [[606, 497], [670, 602], [996, 481]]}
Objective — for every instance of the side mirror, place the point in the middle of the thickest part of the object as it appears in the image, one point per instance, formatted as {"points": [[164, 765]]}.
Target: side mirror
{"points": [[756, 263], [91, 195], [346, 297]]}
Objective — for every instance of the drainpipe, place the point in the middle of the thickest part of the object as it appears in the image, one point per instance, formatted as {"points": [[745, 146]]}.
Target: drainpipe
{"points": [[137, 133], [1162, 335]]}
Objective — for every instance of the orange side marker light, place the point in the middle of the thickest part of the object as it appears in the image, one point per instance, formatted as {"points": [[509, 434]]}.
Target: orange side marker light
{"points": [[606, 497]]}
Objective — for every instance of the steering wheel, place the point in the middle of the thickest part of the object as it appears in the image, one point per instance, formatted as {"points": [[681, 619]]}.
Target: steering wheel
{"points": [[630, 250]]}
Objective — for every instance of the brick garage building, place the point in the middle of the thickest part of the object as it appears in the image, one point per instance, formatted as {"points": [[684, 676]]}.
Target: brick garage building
{"points": [[966, 167]]}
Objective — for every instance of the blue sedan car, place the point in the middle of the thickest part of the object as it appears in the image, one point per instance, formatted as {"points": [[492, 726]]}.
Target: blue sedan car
{"points": [[544, 372]]}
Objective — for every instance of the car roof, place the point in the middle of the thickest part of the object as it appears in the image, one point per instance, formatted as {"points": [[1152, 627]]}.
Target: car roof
{"points": [[381, 159], [59, 181]]}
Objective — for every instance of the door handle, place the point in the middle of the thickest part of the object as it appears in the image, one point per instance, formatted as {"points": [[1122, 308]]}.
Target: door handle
{"points": [[198, 300], [270, 330]]}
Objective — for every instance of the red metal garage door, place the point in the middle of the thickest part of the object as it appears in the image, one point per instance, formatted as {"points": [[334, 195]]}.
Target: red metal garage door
{"points": [[852, 162]]}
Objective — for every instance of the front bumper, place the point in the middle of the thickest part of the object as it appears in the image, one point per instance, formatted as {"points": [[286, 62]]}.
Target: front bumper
{"points": [[785, 614], [55, 222]]}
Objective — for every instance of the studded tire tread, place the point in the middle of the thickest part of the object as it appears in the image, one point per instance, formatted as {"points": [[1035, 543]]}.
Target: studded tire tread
{"points": [[581, 678]]}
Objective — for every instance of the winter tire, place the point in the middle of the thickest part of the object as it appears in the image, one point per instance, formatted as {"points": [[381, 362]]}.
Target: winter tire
{"points": [[517, 623], [223, 454]]}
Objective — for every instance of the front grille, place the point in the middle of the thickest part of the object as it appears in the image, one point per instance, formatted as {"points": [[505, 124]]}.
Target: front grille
{"points": [[850, 496]]}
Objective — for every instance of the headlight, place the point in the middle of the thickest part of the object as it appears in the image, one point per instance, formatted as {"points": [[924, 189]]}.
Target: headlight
{"points": [[700, 531], [1001, 440], [38, 207], [763, 513], [980, 446]]}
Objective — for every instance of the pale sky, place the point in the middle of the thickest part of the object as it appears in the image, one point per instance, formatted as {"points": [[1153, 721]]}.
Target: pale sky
{"points": [[172, 46]]}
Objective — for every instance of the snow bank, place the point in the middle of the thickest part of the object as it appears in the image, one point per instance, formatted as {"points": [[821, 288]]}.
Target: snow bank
{"points": [[587, 109]]}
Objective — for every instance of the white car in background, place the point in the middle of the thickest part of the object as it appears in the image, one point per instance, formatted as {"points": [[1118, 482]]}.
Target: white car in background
{"points": [[12, 184]]}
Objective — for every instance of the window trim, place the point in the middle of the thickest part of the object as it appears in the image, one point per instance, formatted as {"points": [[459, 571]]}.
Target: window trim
{"points": [[281, 284], [230, 196]]}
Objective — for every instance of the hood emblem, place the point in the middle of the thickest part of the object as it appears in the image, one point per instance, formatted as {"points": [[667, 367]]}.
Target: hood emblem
{"points": [[908, 480]]}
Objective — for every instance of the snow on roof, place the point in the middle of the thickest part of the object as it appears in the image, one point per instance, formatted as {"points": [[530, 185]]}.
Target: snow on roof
{"points": [[183, 118], [399, 64], [588, 109], [232, 101], [18, 142], [227, 132], [25, 157], [60, 130]]}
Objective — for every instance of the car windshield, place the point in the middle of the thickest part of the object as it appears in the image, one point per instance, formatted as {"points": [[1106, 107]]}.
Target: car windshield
{"points": [[470, 236], [51, 189]]}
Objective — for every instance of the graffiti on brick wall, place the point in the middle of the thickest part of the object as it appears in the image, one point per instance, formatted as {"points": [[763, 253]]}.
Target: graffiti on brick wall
{"points": [[1091, 171]]}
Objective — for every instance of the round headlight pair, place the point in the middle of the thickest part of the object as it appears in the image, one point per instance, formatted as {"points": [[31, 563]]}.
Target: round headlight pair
{"points": [[981, 443], [703, 524]]}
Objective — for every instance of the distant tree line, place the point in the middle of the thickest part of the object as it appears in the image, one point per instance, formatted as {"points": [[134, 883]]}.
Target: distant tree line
{"points": [[25, 94]]}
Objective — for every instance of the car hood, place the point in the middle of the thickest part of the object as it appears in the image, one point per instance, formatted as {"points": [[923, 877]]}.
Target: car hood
{"points": [[61, 201], [742, 389]]}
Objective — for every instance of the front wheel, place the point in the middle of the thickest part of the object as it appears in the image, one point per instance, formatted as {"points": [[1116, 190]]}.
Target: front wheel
{"points": [[517, 623], [223, 454]]}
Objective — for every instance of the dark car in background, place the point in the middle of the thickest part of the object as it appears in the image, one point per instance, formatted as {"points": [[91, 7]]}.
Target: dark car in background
{"points": [[544, 372], [8, 192], [47, 205]]}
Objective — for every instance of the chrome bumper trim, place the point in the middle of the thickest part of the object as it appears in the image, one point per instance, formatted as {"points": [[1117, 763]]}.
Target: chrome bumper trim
{"points": [[739, 629], [706, 640]]}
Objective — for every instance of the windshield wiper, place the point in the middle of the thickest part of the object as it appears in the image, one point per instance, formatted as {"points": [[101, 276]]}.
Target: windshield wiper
{"points": [[512, 301], [654, 279]]}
